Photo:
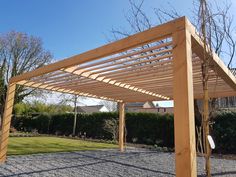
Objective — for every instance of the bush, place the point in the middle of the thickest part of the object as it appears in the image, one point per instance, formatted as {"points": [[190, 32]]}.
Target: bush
{"points": [[61, 124], [224, 132], [41, 123]]}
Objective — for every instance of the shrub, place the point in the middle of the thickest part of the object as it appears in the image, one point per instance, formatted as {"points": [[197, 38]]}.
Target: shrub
{"points": [[224, 132], [112, 126]]}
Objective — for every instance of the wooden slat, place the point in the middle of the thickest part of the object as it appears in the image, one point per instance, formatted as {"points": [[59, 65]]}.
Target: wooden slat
{"points": [[216, 63], [134, 61], [219, 94], [44, 86], [123, 56], [157, 33], [124, 61], [113, 82]]}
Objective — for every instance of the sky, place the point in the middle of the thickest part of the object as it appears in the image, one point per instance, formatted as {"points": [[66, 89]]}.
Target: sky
{"points": [[70, 27]]}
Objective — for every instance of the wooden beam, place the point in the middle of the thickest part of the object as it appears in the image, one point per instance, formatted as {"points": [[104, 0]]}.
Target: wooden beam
{"points": [[77, 80], [125, 61], [216, 63], [218, 94], [184, 125], [121, 125], [122, 57], [6, 121], [154, 34], [133, 70], [31, 84], [114, 83], [132, 62]]}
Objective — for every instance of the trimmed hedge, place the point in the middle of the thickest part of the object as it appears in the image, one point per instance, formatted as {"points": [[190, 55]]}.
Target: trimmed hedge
{"points": [[147, 128], [150, 128], [224, 132], [143, 128]]}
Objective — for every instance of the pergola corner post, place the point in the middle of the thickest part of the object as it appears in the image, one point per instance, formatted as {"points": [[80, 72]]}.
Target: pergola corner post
{"points": [[184, 123], [6, 123], [121, 125]]}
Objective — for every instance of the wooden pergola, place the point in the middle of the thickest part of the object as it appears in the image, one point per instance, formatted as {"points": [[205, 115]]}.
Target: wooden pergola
{"points": [[162, 63]]}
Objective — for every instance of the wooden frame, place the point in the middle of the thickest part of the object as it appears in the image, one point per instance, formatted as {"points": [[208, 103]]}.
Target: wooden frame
{"points": [[7, 121], [185, 152], [161, 63]]}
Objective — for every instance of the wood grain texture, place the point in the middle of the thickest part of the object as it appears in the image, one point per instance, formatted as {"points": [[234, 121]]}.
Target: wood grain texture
{"points": [[121, 125], [185, 152], [6, 121]]}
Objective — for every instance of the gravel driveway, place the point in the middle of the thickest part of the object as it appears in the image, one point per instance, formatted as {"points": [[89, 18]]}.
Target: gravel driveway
{"points": [[134, 162]]}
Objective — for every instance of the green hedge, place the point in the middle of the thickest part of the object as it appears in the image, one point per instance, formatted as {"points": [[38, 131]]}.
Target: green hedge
{"points": [[150, 128], [146, 128], [224, 132]]}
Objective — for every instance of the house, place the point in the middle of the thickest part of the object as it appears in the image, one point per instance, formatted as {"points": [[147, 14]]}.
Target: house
{"points": [[160, 110], [135, 107], [147, 107], [228, 103], [91, 109]]}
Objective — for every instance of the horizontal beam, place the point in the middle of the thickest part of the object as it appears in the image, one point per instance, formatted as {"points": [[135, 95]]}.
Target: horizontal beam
{"points": [[216, 63], [67, 91], [151, 35], [217, 94], [123, 58], [115, 83]]}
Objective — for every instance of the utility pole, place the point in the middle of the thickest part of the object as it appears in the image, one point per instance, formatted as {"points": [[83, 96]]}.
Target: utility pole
{"points": [[205, 76]]}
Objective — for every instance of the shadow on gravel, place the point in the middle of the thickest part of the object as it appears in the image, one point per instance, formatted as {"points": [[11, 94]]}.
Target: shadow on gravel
{"points": [[225, 173], [52, 169], [126, 164], [93, 160], [100, 160], [220, 174]]}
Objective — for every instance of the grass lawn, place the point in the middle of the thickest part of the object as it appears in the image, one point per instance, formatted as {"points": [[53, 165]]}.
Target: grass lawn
{"points": [[33, 145]]}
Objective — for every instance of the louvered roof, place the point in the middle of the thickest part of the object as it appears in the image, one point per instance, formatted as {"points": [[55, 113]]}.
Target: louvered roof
{"points": [[138, 68]]}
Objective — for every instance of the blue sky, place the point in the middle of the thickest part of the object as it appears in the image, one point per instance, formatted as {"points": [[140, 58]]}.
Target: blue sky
{"points": [[69, 27]]}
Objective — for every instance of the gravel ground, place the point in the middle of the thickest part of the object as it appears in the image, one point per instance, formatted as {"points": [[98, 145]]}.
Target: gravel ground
{"points": [[134, 162]]}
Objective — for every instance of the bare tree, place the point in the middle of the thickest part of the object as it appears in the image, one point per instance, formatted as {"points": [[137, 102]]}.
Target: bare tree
{"points": [[19, 53], [75, 100], [220, 27], [112, 126]]}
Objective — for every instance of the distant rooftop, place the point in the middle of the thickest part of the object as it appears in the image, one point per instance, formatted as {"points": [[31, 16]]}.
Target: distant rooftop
{"points": [[89, 109]]}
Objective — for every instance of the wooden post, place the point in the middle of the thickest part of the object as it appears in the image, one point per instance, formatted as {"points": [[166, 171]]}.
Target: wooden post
{"points": [[121, 125], [6, 121], [75, 115], [184, 124]]}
